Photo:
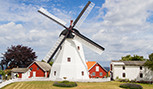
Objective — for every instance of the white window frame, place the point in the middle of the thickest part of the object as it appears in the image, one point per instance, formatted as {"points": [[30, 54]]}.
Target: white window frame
{"points": [[97, 68]]}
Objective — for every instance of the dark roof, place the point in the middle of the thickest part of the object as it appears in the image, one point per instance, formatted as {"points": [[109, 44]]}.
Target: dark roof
{"points": [[134, 63], [43, 65], [19, 70]]}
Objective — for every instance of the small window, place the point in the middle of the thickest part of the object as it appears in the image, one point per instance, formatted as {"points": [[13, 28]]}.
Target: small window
{"points": [[123, 67], [78, 47], [123, 74], [31, 68], [97, 68], [141, 75], [100, 74], [82, 73], [60, 47], [93, 73], [140, 67], [37, 68], [69, 59], [54, 73], [111, 67]]}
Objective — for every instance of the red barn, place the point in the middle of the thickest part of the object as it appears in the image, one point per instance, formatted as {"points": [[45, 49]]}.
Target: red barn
{"points": [[39, 69], [95, 70]]}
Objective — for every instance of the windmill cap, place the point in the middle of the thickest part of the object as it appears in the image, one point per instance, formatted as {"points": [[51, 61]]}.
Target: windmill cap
{"points": [[70, 35]]}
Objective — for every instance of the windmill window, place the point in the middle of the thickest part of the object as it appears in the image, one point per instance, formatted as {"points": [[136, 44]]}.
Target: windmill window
{"points": [[141, 75], [100, 74], [123, 67], [31, 68], [69, 59], [82, 73], [124, 75], [54, 73], [140, 67], [78, 47], [37, 68], [60, 47]]}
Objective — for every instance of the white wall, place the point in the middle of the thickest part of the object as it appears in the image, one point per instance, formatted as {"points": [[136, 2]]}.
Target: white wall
{"points": [[24, 75], [70, 70], [131, 72]]}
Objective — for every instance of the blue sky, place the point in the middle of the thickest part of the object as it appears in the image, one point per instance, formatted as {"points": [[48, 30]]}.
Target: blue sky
{"points": [[123, 27]]}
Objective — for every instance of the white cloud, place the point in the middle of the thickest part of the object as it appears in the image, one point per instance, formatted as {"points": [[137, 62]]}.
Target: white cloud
{"points": [[124, 29], [24, 25]]}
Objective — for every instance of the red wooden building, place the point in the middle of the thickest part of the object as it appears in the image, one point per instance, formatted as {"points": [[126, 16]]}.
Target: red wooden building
{"points": [[35, 69], [39, 69], [96, 70]]}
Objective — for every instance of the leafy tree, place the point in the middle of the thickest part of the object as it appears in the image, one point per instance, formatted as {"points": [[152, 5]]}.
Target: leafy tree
{"points": [[42, 61], [149, 62], [134, 58], [19, 55], [2, 72], [126, 58]]}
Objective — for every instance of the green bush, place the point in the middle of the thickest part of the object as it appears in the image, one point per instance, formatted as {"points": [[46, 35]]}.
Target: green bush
{"points": [[131, 86], [123, 80], [65, 84]]}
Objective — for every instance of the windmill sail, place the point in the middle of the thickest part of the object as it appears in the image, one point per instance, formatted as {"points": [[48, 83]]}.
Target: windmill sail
{"points": [[84, 13], [53, 51], [52, 17], [89, 43]]}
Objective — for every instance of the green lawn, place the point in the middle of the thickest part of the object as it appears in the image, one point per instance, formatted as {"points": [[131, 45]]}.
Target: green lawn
{"points": [[48, 85]]}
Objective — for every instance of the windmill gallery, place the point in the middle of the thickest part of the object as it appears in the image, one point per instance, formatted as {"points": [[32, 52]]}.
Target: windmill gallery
{"points": [[69, 61]]}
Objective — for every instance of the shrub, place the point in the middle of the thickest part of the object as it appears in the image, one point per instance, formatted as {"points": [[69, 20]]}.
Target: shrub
{"points": [[145, 82], [131, 86], [65, 84], [124, 80], [133, 81]]}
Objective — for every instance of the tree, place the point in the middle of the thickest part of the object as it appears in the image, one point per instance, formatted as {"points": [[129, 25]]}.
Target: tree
{"points": [[126, 58], [2, 72], [19, 55], [149, 62], [134, 58]]}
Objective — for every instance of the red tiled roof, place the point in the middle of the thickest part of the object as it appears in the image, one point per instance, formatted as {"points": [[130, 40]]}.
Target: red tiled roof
{"points": [[90, 64]]}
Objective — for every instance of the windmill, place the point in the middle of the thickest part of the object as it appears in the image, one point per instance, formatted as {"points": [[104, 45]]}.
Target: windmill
{"points": [[69, 61]]}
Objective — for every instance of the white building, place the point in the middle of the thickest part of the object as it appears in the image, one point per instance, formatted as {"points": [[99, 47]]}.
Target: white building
{"points": [[132, 70], [69, 62], [22, 72]]}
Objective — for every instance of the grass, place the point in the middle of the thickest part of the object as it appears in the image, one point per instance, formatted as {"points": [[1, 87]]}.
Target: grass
{"points": [[49, 85]]}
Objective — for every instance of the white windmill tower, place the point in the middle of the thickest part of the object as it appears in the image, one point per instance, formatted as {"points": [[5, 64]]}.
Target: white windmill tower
{"points": [[69, 61]]}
